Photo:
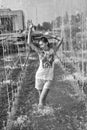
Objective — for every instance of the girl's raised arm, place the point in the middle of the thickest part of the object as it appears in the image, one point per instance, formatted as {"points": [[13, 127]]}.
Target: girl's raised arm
{"points": [[59, 44], [29, 41]]}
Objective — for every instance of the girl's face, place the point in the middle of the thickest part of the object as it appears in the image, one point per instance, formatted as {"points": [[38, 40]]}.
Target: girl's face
{"points": [[42, 45]]}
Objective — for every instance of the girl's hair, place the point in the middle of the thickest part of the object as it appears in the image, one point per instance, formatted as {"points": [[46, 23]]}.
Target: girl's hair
{"points": [[45, 40]]}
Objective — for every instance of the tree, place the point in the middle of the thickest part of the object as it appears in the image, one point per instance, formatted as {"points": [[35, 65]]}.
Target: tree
{"points": [[47, 26], [78, 17], [39, 27], [59, 21], [66, 18]]}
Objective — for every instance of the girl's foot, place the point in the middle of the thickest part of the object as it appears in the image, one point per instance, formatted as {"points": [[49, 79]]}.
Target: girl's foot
{"points": [[40, 106]]}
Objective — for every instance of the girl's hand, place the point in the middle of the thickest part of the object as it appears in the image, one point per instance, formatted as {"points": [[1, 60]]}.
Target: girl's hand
{"points": [[31, 26]]}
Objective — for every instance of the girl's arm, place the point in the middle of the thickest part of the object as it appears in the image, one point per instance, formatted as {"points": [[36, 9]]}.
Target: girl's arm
{"points": [[35, 48], [59, 44], [30, 42]]}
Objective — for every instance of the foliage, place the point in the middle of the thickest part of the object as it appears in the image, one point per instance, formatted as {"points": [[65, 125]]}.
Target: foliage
{"points": [[46, 26], [66, 18]]}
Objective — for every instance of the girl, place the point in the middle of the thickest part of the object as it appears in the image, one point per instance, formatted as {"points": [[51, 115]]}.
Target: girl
{"points": [[45, 73]]}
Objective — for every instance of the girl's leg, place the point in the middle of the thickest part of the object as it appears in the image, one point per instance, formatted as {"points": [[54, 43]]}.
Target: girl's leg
{"points": [[39, 91], [39, 85], [44, 93], [42, 99]]}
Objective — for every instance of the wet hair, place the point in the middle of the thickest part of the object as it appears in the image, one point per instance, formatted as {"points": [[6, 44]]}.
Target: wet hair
{"points": [[45, 40]]}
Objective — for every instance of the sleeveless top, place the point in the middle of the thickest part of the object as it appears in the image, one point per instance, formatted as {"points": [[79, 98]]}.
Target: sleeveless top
{"points": [[46, 66]]}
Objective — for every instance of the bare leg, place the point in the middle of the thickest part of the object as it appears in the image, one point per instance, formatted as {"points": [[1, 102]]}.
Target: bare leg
{"points": [[44, 96], [44, 93], [39, 91]]}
